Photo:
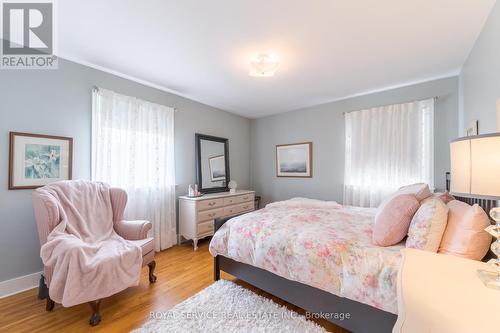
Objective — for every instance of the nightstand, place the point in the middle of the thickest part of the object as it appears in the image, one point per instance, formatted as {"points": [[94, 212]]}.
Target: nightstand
{"points": [[442, 293]]}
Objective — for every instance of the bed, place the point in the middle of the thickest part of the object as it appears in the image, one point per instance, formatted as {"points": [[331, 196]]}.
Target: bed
{"points": [[283, 251]]}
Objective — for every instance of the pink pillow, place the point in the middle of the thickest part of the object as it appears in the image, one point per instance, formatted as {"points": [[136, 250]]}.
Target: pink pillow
{"points": [[464, 235], [392, 222]]}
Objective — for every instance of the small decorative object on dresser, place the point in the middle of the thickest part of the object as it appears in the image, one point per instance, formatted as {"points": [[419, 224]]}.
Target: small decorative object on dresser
{"points": [[232, 186], [193, 191], [36, 160], [196, 215]]}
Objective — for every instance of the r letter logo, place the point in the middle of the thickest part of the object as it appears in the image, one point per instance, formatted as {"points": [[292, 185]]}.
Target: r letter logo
{"points": [[28, 35]]}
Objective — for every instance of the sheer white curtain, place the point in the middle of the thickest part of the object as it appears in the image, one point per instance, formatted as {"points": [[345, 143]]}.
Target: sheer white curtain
{"points": [[133, 148], [387, 147]]}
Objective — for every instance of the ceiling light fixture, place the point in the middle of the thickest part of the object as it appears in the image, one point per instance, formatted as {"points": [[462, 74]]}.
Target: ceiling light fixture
{"points": [[264, 65]]}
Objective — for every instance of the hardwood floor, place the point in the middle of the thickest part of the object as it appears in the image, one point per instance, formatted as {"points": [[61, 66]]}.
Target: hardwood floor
{"points": [[181, 273]]}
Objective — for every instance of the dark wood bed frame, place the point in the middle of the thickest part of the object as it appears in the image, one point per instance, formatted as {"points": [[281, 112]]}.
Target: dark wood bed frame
{"points": [[362, 317]]}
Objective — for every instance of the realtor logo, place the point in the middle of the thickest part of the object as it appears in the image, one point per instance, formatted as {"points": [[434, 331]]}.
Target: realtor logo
{"points": [[28, 35]]}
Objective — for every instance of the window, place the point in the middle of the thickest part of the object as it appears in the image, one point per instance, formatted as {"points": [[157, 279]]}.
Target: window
{"points": [[133, 148], [387, 147]]}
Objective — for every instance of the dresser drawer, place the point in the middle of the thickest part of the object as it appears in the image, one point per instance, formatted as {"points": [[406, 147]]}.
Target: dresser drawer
{"points": [[210, 203], [247, 206], [231, 210], [236, 209], [210, 214], [205, 228], [244, 198], [230, 201]]}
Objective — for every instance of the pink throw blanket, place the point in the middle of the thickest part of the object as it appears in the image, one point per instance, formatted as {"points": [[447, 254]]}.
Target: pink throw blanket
{"points": [[90, 261], [305, 203]]}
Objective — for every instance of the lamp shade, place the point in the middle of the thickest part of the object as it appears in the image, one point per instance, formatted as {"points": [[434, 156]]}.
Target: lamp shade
{"points": [[460, 166], [475, 166]]}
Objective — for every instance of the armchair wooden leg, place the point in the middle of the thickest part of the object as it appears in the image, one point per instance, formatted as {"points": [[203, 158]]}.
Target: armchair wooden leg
{"points": [[95, 318], [49, 306], [43, 291], [152, 276]]}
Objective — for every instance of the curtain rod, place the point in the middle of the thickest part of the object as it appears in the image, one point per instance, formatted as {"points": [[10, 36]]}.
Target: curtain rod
{"points": [[435, 98], [96, 88]]}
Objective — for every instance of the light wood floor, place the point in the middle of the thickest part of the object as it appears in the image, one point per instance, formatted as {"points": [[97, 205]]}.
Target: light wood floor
{"points": [[181, 273]]}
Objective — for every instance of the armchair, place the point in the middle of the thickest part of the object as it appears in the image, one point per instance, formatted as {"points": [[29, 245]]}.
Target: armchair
{"points": [[47, 217]]}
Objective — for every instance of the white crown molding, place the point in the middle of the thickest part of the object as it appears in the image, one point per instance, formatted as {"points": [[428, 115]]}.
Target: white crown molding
{"points": [[388, 88], [403, 85], [124, 76], [19, 284]]}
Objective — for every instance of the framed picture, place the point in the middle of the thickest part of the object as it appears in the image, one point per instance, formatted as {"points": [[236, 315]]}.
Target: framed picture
{"points": [[217, 166], [294, 160], [472, 129], [36, 160]]}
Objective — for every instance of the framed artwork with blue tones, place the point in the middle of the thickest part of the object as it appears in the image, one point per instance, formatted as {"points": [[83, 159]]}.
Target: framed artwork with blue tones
{"points": [[294, 160], [36, 160]]}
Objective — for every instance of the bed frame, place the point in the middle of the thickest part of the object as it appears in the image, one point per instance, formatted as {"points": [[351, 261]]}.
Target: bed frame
{"points": [[362, 317]]}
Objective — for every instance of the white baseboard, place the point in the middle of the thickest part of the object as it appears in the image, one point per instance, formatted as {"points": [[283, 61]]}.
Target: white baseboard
{"points": [[19, 284]]}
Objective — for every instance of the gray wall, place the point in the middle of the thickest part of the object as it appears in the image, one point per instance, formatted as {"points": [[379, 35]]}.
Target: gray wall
{"points": [[58, 102], [324, 126], [480, 77]]}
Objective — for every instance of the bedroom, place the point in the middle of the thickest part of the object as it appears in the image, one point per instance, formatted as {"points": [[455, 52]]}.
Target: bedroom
{"points": [[324, 89]]}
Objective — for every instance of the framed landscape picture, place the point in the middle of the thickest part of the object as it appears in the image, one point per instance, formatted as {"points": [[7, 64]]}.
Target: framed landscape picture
{"points": [[472, 129], [36, 160], [217, 166], [294, 160]]}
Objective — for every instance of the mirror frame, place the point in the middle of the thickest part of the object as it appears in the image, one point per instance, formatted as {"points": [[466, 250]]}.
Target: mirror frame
{"points": [[199, 179]]}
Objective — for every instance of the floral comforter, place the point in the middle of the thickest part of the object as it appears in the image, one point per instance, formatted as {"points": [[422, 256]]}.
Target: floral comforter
{"points": [[329, 249]]}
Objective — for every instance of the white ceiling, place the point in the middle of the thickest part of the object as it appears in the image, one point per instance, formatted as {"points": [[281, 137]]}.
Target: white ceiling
{"points": [[328, 49]]}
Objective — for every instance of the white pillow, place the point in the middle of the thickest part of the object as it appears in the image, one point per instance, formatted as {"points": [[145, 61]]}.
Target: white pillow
{"points": [[428, 225], [420, 190]]}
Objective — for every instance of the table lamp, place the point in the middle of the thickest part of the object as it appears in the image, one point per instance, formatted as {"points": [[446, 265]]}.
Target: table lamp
{"points": [[475, 172]]}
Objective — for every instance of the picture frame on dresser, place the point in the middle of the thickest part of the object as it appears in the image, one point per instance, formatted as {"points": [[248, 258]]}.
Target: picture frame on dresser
{"points": [[197, 214]]}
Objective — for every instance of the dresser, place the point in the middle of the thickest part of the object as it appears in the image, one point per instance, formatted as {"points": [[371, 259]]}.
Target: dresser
{"points": [[196, 215]]}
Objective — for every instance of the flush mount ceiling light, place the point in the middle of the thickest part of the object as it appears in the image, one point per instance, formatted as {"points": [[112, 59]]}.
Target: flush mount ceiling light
{"points": [[263, 65]]}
